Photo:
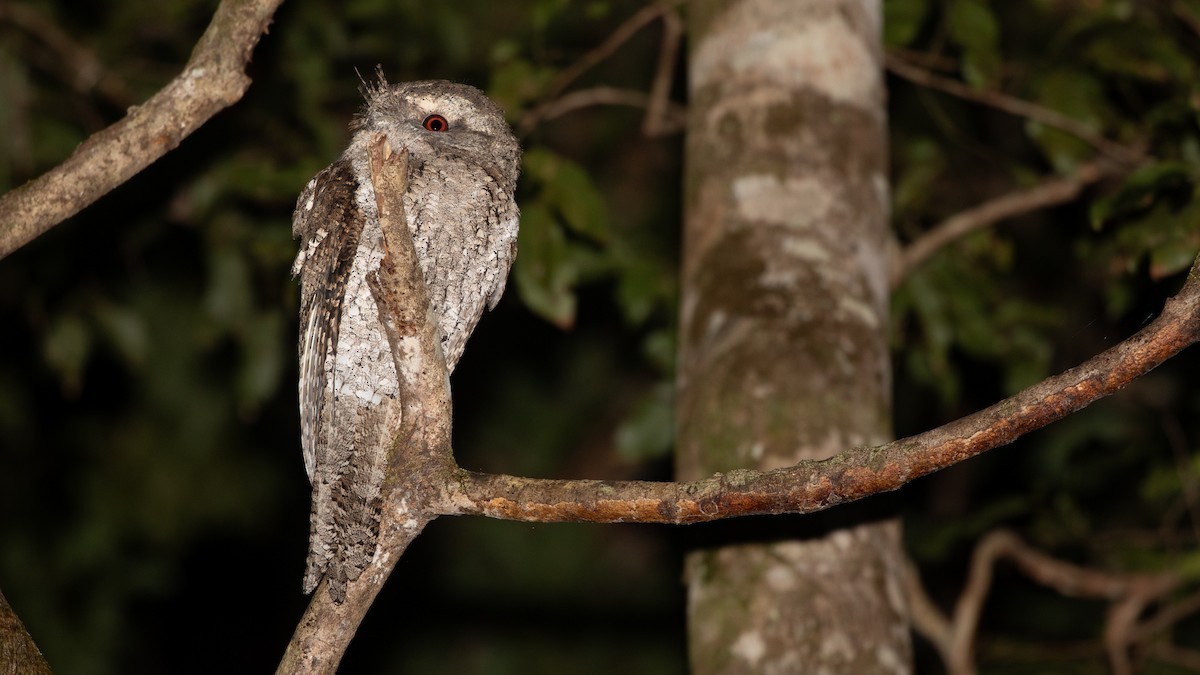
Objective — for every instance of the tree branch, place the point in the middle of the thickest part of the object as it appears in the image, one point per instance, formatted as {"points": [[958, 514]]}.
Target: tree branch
{"points": [[1047, 193], [212, 80], [554, 101], [77, 65], [421, 449], [667, 120], [1013, 106], [662, 116], [1187, 16], [18, 652], [853, 474], [1129, 594], [928, 620]]}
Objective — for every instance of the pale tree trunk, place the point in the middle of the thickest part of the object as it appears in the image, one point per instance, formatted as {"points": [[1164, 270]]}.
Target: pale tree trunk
{"points": [[783, 349]]}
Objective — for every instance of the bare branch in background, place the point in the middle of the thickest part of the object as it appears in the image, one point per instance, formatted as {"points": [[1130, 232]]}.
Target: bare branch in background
{"points": [[1013, 106], [77, 65], [1187, 16], [662, 116], [1049, 192], [1129, 593], [554, 105], [670, 120], [212, 80]]}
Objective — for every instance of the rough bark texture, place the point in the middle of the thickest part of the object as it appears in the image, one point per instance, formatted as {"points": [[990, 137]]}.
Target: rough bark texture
{"points": [[421, 450], [18, 653], [783, 352], [213, 80]]}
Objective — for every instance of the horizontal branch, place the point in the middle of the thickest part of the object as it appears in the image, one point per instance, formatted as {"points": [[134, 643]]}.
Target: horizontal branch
{"points": [[853, 474], [213, 79], [668, 117]]}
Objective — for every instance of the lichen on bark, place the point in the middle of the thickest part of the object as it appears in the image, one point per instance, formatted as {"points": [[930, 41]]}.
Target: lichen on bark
{"points": [[783, 352]]}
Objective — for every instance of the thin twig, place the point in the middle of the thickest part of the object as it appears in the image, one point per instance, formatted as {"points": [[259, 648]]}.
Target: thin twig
{"points": [[1176, 656], [1177, 440], [1045, 194], [212, 80], [611, 44], [1168, 616], [583, 98], [1013, 106], [1129, 594], [927, 619], [1187, 16], [78, 65], [656, 122]]}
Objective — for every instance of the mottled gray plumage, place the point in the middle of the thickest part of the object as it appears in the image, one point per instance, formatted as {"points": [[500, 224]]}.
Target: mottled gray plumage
{"points": [[463, 166]]}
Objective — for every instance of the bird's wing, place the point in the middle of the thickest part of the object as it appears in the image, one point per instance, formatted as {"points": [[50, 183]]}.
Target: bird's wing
{"points": [[328, 222]]}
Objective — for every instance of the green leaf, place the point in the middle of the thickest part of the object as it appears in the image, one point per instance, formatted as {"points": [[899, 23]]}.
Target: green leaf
{"points": [[66, 348], [570, 191], [981, 67], [1077, 94], [972, 25], [917, 182], [639, 288], [902, 20], [545, 11], [1138, 193], [1125, 51], [543, 270], [262, 360], [125, 330], [660, 348], [516, 82], [649, 430], [228, 299]]}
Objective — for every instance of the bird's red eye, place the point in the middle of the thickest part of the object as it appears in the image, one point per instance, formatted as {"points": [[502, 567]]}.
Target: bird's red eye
{"points": [[436, 123]]}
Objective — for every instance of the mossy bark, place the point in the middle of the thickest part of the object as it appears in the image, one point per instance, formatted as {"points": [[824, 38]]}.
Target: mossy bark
{"points": [[783, 347]]}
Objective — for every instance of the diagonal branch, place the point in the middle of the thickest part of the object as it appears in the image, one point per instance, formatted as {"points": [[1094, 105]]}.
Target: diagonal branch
{"points": [[78, 65], [18, 652], [851, 475], [212, 80], [421, 449], [1047, 193], [1013, 106], [551, 106], [620, 36]]}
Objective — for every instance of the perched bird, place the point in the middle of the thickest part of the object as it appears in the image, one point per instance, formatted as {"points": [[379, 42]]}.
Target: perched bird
{"points": [[463, 164]]}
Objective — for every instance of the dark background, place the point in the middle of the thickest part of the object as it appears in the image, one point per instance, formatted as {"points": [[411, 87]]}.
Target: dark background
{"points": [[153, 503]]}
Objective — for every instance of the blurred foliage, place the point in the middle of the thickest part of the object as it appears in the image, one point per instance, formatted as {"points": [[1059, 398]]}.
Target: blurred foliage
{"points": [[1000, 309], [152, 501]]}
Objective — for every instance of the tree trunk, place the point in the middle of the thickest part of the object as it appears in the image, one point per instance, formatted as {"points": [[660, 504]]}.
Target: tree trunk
{"points": [[783, 347]]}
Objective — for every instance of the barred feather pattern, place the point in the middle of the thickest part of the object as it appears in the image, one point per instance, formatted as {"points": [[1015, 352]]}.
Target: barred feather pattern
{"points": [[463, 218]]}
